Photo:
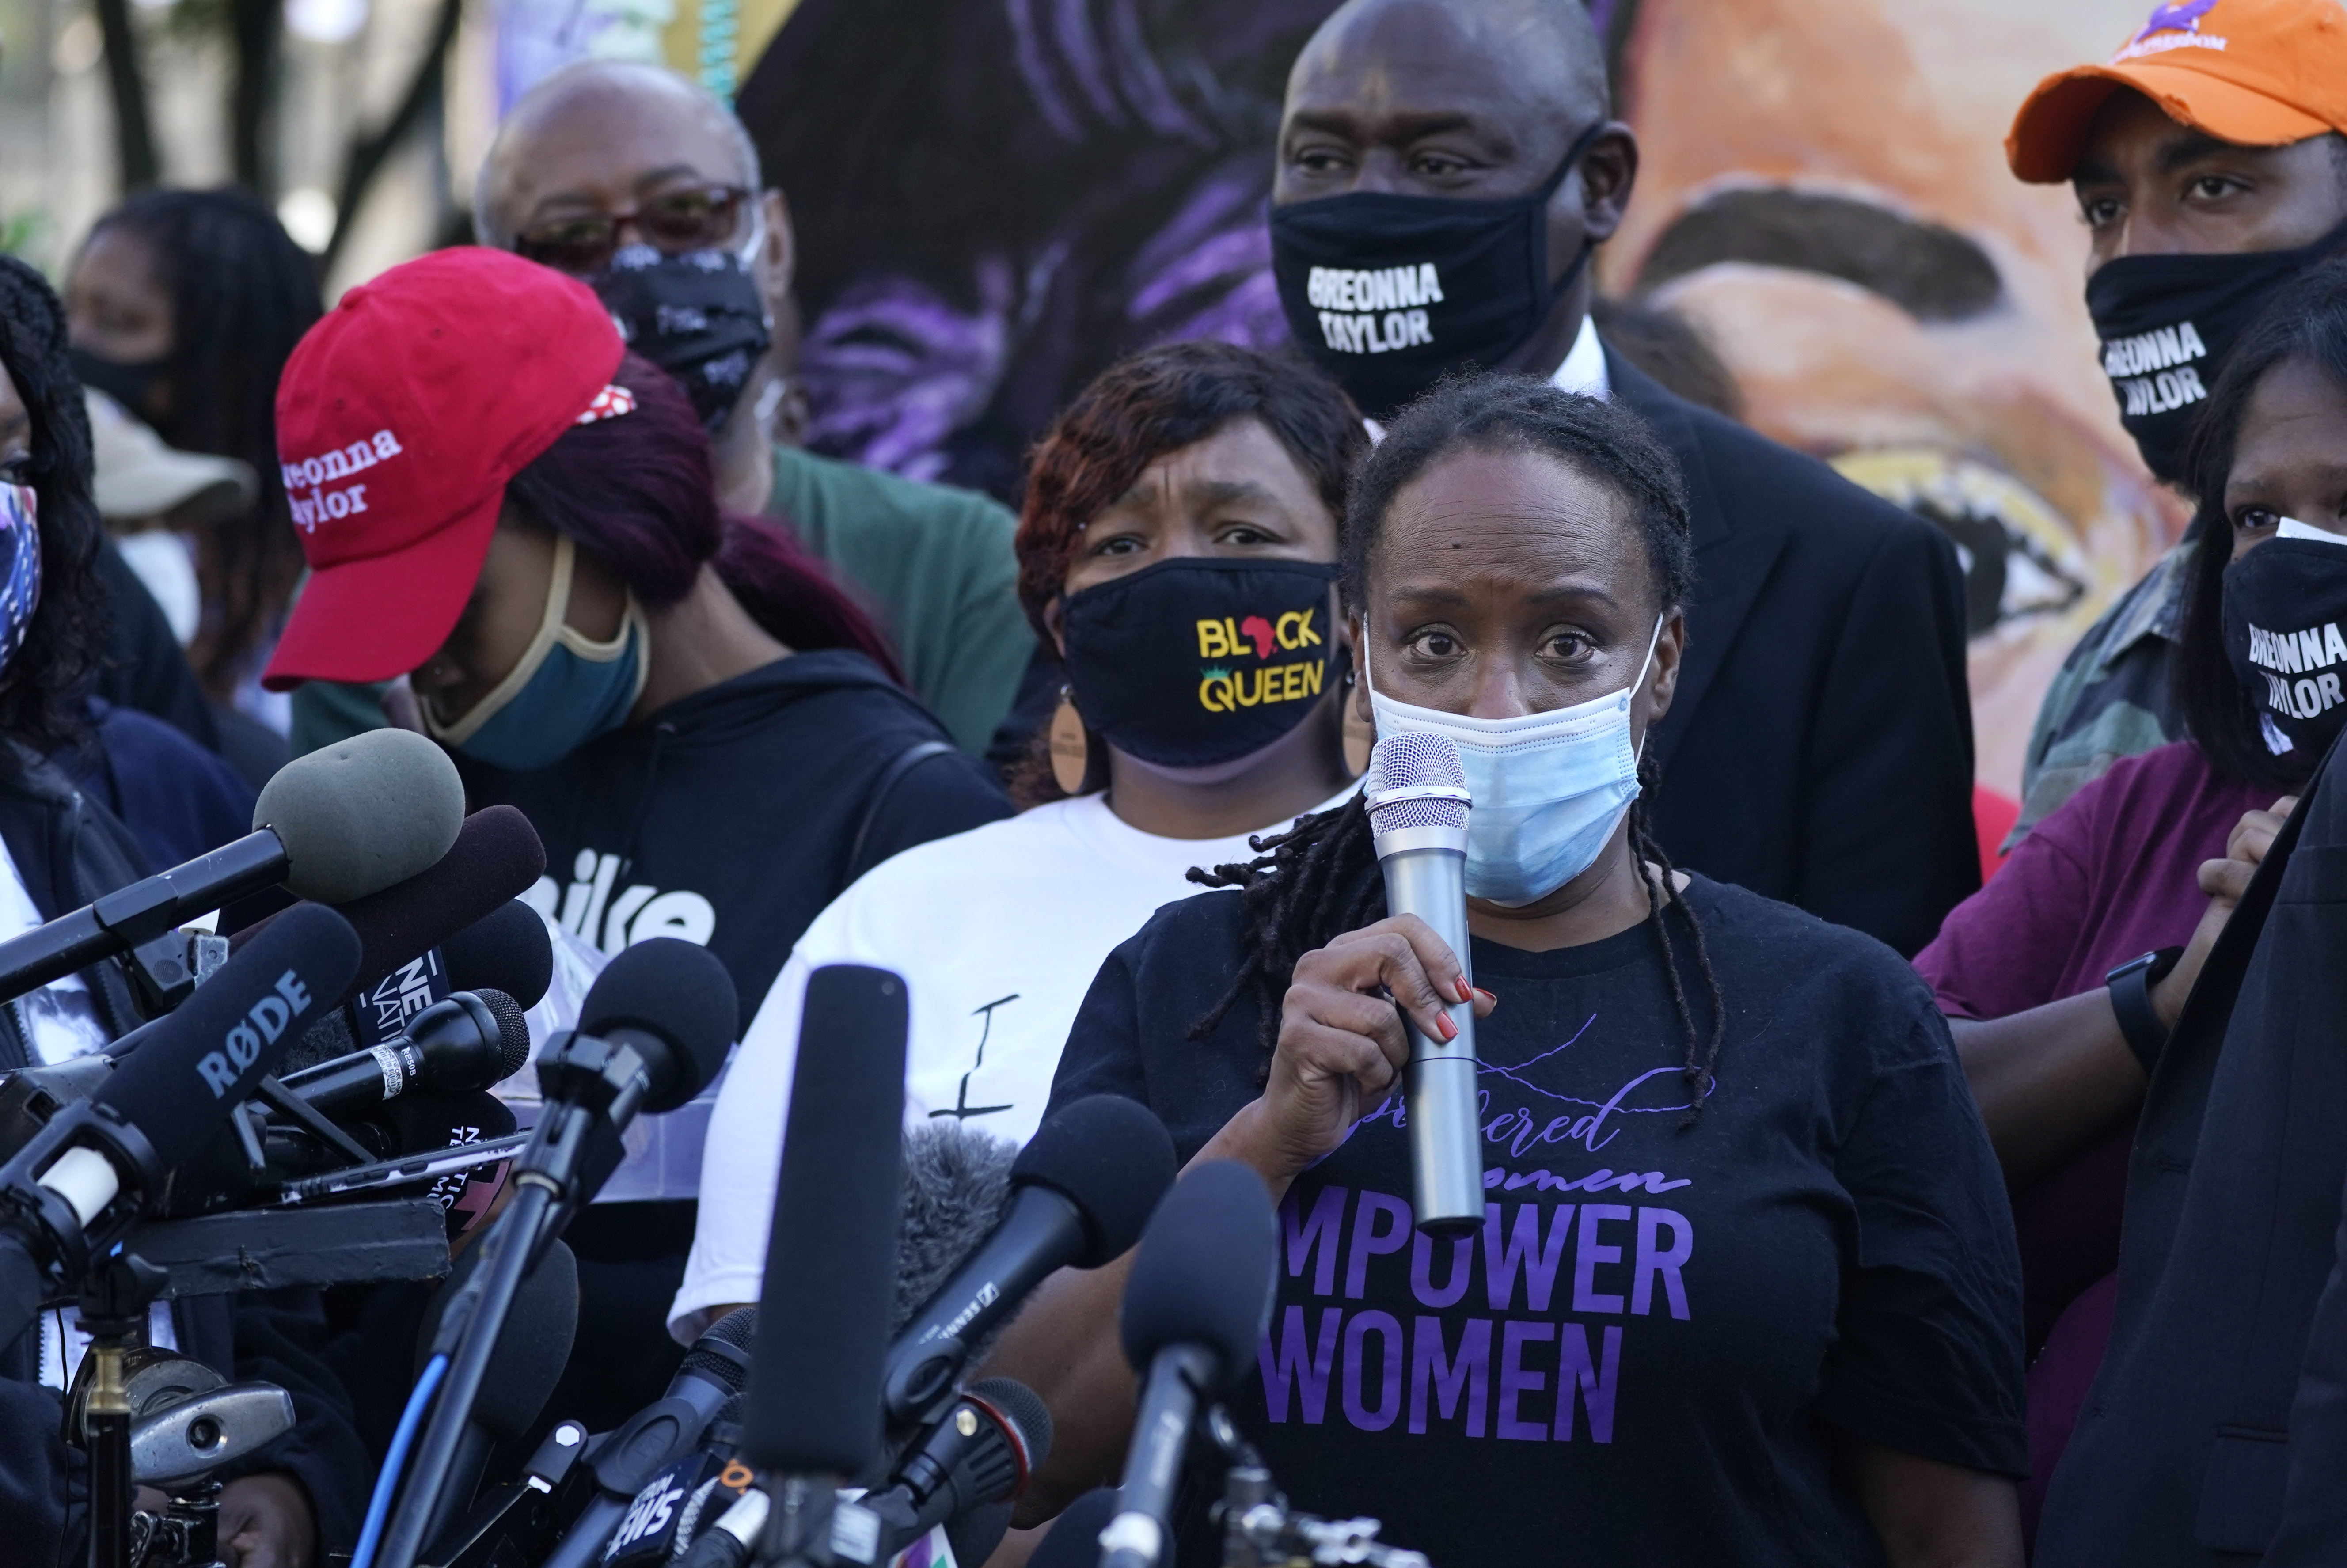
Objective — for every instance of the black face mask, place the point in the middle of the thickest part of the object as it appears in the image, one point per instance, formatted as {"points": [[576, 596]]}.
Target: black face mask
{"points": [[2169, 322], [1188, 663], [2285, 615], [1388, 293], [696, 316], [128, 382]]}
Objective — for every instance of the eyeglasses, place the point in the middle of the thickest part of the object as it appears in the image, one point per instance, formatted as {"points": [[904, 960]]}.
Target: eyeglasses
{"points": [[678, 221]]}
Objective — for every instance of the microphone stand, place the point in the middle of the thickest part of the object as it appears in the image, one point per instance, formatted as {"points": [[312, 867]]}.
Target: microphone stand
{"points": [[593, 1088], [1259, 1529], [113, 1307]]}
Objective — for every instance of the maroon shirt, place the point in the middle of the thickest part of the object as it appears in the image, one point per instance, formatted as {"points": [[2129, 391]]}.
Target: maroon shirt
{"points": [[2111, 874]]}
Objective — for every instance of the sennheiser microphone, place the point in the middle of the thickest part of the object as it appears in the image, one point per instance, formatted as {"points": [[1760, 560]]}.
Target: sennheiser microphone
{"points": [[102, 1162], [655, 1440], [1417, 803], [471, 1040], [332, 826], [813, 1415], [494, 858], [963, 1473], [1195, 1310], [1080, 1190]]}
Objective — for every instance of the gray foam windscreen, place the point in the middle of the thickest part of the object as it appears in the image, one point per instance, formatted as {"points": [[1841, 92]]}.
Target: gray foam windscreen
{"points": [[362, 814], [956, 1184], [1414, 759]]}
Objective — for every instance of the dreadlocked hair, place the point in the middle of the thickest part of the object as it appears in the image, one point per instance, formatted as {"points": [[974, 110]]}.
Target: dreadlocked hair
{"points": [[242, 293], [1321, 877], [44, 688]]}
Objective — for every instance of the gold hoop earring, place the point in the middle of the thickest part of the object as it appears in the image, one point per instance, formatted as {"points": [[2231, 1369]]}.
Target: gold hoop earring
{"points": [[1071, 751]]}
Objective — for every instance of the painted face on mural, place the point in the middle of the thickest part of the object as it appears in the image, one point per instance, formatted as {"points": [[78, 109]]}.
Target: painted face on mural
{"points": [[1926, 332]]}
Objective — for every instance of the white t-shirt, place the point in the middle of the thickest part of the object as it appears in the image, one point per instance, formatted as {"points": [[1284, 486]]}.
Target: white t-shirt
{"points": [[997, 932]]}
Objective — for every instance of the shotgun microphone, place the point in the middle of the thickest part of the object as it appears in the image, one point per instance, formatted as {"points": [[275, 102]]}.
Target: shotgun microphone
{"points": [[1418, 802]]}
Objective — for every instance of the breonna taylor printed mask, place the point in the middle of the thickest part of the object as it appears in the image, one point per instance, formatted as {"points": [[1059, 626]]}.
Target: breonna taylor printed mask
{"points": [[698, 316], [20, 594], [1386, 292], [2285, 603], [1193, 662]]}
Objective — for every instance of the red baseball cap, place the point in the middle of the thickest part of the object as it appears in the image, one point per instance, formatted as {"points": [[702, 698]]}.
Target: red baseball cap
{"points": [[400, 417], [2256, 73]]}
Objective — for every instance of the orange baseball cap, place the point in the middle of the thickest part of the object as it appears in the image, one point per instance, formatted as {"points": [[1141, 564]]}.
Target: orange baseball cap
{"points": [[2257, 73]]}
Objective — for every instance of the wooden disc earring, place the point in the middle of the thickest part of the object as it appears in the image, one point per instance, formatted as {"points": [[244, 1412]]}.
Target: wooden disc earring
{"points": [[1071, 752]]}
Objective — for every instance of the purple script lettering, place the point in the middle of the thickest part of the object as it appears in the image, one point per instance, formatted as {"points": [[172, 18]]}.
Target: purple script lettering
{"points": [[1652, 1261], [1589, 1253], [1368, 1240], [1322, 1230], [1300, 1363], [1597, 1384], [1517, 1378], [1523, 1249], [1469, 1371], [1389, 1403]]}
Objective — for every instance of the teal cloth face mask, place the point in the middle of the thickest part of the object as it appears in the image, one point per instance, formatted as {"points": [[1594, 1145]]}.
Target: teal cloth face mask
{"points": [[1547, 788], [567, 690]]}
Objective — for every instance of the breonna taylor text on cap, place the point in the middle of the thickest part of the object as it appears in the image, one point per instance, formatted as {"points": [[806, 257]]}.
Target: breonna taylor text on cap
{"points": [[312, 473]]}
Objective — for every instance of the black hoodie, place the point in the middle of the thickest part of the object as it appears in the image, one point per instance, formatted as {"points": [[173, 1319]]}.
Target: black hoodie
{"points": [[731, 817]]}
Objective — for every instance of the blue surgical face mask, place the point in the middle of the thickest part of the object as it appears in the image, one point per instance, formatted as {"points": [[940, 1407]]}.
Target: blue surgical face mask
{"points": [[567, 690], [1547, 788]]}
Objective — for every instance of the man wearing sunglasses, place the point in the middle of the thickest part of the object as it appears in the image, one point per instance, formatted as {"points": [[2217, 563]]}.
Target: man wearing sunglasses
{"points": [[634, 180]]}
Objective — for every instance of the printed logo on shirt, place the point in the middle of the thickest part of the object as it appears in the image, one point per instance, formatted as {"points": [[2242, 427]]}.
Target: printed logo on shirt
{"points": [[314, 474], [591, 910], [2153, 371], [1226, 691], [1375, 311], [1517, 1367], [2307, 654]]}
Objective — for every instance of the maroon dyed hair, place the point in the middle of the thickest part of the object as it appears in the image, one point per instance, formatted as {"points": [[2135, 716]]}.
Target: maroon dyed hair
{"points": [[1160, 401], [638, 493]]}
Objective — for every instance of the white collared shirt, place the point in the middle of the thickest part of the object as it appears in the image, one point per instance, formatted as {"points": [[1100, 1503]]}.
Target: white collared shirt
{"points": [[1584, 370]]}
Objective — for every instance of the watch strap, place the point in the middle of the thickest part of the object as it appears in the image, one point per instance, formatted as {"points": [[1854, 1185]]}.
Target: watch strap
{"points": [[2130, 987]]}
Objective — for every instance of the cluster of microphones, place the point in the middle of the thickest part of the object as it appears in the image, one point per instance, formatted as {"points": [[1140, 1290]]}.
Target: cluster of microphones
{"points": [[330, 1000]]}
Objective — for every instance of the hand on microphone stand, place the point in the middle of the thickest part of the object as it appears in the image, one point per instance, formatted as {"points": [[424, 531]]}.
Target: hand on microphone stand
{"points": [[1342, 1048]]}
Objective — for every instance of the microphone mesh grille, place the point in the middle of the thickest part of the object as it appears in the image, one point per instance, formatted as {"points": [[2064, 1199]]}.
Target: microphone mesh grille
{"points": [[1410, 759]]}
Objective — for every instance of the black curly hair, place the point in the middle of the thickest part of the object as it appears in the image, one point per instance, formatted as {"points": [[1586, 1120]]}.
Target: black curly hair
{"points": [[1321, 879], [45, 690]]}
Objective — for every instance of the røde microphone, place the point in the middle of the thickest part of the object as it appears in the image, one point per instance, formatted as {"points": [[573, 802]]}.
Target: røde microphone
{"points": [[471, 1040], [496, 858], [1194, 1309], [658, 1437], [102, 1162], [1418, 802], [331, 825], [1082, 1190], [813, 1414]]}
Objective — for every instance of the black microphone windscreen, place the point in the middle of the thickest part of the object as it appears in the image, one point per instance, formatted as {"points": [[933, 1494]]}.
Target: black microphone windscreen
{"points": [[678, 992], [532, 1347], [1073, 1540], [956, 1185], [1026, 1410], [706, 1361], [507, 950], [1113, 1158], [513, 1030], [823, 1317], [195, 1064], [362, 814], [1204, 1274]]}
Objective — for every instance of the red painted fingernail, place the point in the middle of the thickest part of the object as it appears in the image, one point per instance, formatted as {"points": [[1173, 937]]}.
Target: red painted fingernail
{"points": [[1466, 992], [1487, 996], [1443, 1022]]}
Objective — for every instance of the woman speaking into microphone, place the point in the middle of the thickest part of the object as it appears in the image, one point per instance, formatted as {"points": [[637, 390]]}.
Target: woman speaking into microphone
{"points": [[1745, 1290]]}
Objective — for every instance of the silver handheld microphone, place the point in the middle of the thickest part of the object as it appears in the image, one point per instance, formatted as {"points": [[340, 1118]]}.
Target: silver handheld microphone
{"points": [[1417, 813]]}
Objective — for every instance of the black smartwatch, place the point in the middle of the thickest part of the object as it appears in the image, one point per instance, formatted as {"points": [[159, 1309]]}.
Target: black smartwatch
{"points": [[2130, 986]]}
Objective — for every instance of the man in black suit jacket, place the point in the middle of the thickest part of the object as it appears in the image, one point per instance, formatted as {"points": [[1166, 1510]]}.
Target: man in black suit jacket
{"points": [[1445, 169], [2216, 1430]]}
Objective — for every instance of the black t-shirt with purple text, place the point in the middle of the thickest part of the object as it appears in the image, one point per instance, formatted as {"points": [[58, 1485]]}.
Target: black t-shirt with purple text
{"points": [[1643, 1355]]}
